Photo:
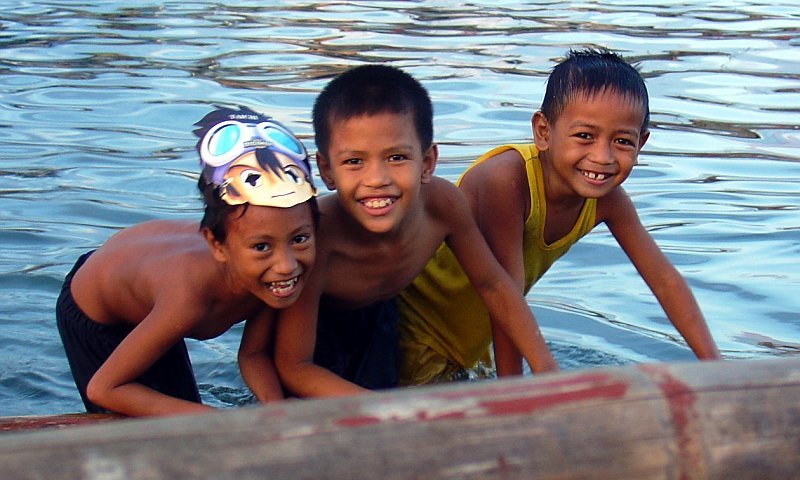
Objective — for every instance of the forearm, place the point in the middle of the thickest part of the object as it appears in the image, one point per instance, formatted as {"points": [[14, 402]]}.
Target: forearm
{"points": [[507, 359], [684, 313], [540, 359], [258, 372], [135, 399], [661, 276], [516, 319], [305, 379]]}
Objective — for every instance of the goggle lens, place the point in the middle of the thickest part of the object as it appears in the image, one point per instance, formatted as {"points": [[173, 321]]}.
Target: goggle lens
{"points": [[285, 140], [224, 140]]}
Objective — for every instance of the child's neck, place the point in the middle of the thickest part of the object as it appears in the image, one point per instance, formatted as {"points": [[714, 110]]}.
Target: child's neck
{"points": [[558, 196], [400, 233], [562, 206]]}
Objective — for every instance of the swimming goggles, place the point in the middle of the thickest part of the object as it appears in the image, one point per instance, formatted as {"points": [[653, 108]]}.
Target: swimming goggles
{"points": [[231, 139], [258, 163]]}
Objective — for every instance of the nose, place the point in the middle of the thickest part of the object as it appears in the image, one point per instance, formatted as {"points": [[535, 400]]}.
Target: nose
{"points": [[602, 154], [285, 261], [377, 174]]}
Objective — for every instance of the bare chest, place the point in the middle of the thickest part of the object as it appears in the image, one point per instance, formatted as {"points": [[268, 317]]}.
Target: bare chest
{"points": [[364, 275], [220, 318]]}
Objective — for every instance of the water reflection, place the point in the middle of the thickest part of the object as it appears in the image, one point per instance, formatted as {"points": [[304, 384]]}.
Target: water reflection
{"points": [[97, 101]]}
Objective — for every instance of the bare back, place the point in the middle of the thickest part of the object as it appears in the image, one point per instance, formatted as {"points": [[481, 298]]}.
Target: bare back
{"points": [[165, 264]]}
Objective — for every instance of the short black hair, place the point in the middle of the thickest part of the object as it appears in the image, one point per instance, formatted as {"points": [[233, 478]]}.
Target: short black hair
{"points": [[369, 90], [591, 71]]}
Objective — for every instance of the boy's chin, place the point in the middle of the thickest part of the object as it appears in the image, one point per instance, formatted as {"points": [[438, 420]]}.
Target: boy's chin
{"points": [[277, 303], [378, 226], [278, 300]]}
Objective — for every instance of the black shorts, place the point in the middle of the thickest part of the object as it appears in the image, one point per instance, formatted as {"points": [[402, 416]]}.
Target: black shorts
{"points": [[360, 345], [88, 345]]}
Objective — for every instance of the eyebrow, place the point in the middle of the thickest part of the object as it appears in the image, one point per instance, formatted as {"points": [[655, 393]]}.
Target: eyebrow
{"points": [[402, 147], [631, 131]]}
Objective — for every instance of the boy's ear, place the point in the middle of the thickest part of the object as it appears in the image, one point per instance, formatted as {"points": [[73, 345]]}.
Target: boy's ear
{"points": [[643, 140], [541, 131], [214, 245], [429, 163], [324, 167]]}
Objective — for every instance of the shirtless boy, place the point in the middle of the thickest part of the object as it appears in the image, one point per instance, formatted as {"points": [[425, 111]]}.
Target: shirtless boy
{"points": [[374, 134], [125, 308], [532, 202]]}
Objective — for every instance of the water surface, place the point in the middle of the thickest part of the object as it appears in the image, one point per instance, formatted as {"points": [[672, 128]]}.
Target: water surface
{"points": [[97, 100]]}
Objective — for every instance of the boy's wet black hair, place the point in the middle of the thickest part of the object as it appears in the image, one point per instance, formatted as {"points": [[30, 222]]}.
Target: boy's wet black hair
{"points": [[216, 210], [589, 72], [370, 90]]}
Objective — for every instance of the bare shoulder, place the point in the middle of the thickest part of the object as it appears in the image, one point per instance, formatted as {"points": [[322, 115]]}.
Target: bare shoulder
{"points": [[157, 228], [442, 197], [498, 170], [498, 190], [123, 278], [147, 242]]}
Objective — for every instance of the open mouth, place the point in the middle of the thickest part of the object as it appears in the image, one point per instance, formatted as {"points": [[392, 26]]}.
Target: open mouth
{"points": [[598, 177], [284, 287], [378, 202]]}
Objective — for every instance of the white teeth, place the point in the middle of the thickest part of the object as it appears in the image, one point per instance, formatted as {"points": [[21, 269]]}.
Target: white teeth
{"points": [[595, 176], [380, 203], [283, 286]]}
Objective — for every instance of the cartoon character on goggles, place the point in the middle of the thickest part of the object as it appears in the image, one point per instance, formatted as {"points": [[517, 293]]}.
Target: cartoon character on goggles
{"points": [[254, 159]]}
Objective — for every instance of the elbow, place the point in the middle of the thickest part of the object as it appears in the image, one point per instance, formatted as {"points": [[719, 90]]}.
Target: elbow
{"points": [[97, 392], [291, 374], [670, 282], [285, 370]]}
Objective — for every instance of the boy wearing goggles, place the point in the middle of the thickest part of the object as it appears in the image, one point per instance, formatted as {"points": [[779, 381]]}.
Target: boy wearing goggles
{"points": [[374, 129], [125, 309], [533, 202]]}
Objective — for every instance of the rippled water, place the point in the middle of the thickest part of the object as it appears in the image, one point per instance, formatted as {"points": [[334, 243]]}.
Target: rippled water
{"points": [[97, 100]]}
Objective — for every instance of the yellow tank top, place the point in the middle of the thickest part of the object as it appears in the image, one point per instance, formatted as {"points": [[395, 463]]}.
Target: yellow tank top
{"points": [[440, 311]]}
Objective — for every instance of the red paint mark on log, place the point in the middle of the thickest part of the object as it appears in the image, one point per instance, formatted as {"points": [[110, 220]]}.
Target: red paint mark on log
{"points": [[488, 400], [541, 385], [681, 402], [529, 404], [357, 421]]}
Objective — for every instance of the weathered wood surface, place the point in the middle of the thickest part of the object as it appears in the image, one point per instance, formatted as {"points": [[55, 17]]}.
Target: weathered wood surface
{"points": [[721, 420], [16, 424]]}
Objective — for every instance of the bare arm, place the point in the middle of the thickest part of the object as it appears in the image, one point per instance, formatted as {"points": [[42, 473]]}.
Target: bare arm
{"points": [[497, 190], [295, 339], [255, 357], [669, 288], [502, 297], [113, 386]]}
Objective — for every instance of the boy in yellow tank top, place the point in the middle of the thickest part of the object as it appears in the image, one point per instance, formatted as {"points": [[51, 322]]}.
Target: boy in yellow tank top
{"points": [[532, 203]]}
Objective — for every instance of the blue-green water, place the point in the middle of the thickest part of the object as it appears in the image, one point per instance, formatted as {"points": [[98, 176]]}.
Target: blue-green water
{"points": [[97, 102]]}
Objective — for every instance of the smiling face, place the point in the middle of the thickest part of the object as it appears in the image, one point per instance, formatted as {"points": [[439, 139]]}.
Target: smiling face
{"points": [[268, 251], [592, 146], [377, 166]]}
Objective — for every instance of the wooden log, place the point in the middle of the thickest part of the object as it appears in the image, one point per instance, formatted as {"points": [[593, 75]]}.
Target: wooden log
{"points": [[710, 420], [36, 422]]}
